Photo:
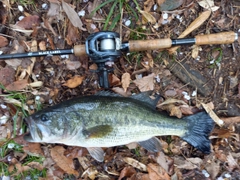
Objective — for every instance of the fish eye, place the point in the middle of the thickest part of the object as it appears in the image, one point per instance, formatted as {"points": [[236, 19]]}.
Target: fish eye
{"points": [[44, 117]]}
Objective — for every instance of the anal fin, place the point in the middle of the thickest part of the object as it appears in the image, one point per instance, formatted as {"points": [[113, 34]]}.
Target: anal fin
{"points": [[153, 144], [97, 153]]}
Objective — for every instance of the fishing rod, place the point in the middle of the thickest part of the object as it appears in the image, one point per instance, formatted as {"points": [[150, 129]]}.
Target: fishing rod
{"points": [[105, 47]]}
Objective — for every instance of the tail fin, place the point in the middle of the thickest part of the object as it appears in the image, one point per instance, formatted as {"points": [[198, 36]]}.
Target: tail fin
{"points": [[200, 126]]}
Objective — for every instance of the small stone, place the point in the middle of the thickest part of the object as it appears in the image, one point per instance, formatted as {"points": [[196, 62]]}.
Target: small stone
{"points": [[127, 23], [20, 8]]}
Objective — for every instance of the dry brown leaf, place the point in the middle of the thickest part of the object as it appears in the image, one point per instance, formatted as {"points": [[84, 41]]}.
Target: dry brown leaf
{"points": [[33, 149], [21, 168], [72, 35], [148, 5], [209, 5], [35, 165], [73, 65], [231, 163], [148, 17], [212, 114], [7, 75], [126, 79], [63, 162], [29, 22], [73, 16], [17, 85], [159, 2], [146, 83], [42, 46], [165, 162], [195, 51], [74, 81], [127, 172], [231, 120], [3, 41], [156, 172], [135, 163], [114, 80]]}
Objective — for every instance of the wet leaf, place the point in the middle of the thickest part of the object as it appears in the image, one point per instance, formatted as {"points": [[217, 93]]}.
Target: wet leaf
{"points": [[29, 22], [3, 41], [63, 162], [126, 79], [74, 81], [73, 16]]}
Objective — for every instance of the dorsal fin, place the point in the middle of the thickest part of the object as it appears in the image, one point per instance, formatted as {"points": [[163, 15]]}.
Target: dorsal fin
{"points": [[145, 98]]}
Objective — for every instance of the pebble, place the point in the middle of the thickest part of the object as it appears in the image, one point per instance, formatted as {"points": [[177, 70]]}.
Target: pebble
{"points": [[155, 7], [185, 95], [3, 106], [3, 119], [11, 145], [37, 98], [45, 6], [194, 93], [158, 78], [20, 8], [127, 22], [20, 18], [81, 13], [1, 52], [165, 15], [205, 173]]}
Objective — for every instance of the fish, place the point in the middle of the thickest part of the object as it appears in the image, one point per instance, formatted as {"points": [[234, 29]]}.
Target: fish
{"points": [[108, 119]]}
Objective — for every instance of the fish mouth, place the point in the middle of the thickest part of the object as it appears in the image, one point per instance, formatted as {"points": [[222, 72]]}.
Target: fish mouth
{"points": [[35, 134]]}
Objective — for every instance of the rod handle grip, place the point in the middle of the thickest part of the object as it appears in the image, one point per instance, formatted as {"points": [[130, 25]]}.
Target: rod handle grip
{"points": [[218, 38], [79, 50], [153, 44]]}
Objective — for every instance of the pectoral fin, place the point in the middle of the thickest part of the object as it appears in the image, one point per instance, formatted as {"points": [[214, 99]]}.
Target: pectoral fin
{"points": [[97, 131], [97, 153], [153, 144]]}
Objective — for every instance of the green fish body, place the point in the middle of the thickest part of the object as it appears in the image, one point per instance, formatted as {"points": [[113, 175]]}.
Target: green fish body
{"points": [[107, 120]]}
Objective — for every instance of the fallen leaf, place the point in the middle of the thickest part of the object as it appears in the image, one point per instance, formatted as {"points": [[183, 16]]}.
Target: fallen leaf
{"points": [[229, 120], [169, 5], [62, 161], [159, 2], [29, 22], [121, 91], [148, 5], [3, 41], [127, 172], [126, 79], [73, 16], [42, 46], [208, 4], [73, 65], [165, 162], [135, 163], [33, 149], [113, 80], [20, 169], [16, 103], [7, 75], [148, 17], [195, 51], [72, 34], [156, 172], [212, 114], [74, 81], [146, 83], [231, 163], [17, 85]]}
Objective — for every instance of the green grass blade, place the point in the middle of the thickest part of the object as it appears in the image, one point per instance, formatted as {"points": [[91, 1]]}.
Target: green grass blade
{"points": [[100, 6], [109, 15]]}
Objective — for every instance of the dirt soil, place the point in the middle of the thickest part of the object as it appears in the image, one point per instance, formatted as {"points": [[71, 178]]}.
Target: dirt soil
{"points": [[189, 79]]}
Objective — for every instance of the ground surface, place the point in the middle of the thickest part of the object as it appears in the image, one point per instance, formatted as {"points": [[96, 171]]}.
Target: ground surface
{"points": [[185, 78]]}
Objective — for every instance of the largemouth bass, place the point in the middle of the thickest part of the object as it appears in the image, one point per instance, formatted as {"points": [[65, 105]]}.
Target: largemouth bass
{"points": [[107, 120]]}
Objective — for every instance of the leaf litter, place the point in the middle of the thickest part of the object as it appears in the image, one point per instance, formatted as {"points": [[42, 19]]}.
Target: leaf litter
{"points": [[179, 159]]}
